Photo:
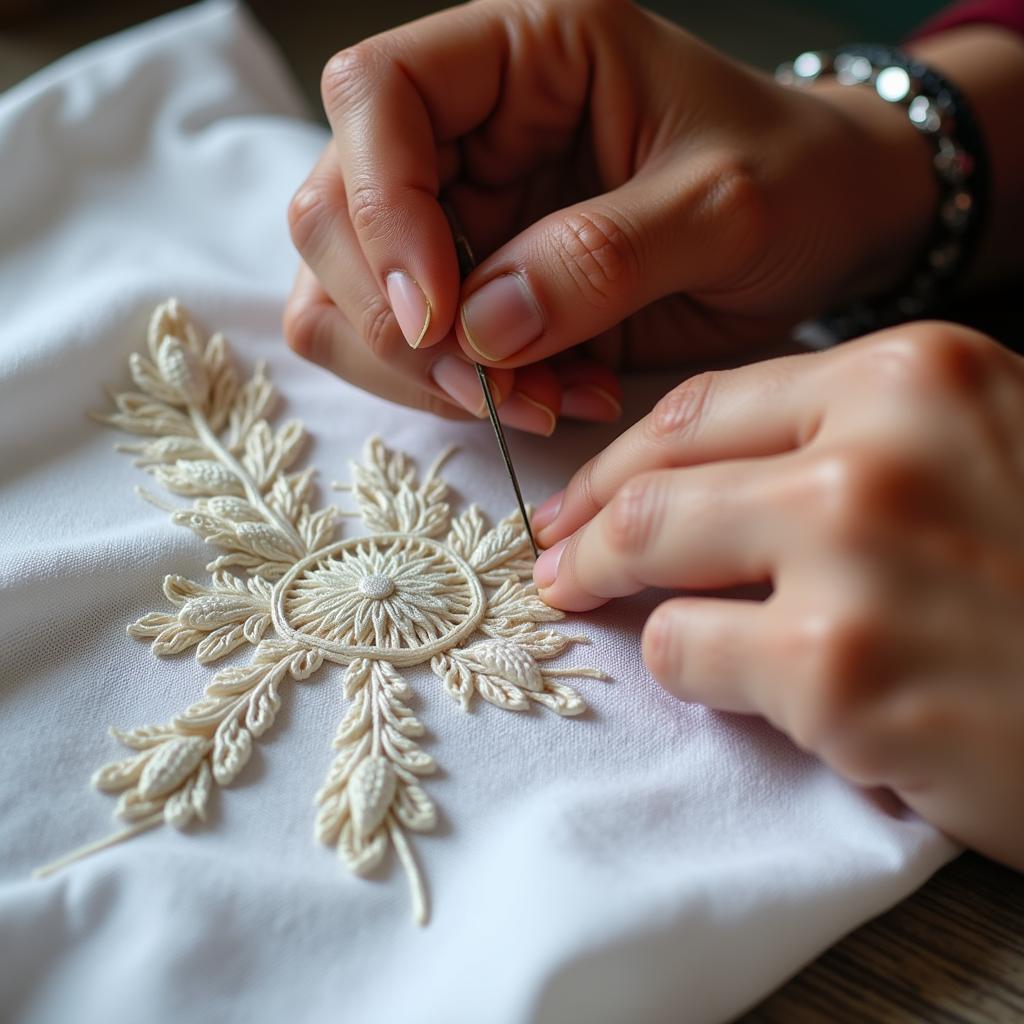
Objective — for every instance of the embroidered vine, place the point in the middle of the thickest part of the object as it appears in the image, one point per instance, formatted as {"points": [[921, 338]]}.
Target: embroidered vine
{"points": [[422, 588]]}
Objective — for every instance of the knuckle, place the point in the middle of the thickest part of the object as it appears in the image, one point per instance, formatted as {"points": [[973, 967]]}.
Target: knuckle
{"points": [[368, 210], [733, 200], [378, 326], [857, 492], [858, 754], [636, 512], [837, 660], [303, 325], [308, 210], [599, 254], [345, 75], [928, 358], [678, 413], [584, 485]]}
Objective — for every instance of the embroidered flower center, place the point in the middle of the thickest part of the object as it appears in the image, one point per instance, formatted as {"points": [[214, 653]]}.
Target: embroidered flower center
{"points": [[388, 597], [377, 587]]}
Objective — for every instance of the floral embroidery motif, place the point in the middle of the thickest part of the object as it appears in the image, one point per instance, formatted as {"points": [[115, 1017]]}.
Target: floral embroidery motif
{"points": [[417, 591]]}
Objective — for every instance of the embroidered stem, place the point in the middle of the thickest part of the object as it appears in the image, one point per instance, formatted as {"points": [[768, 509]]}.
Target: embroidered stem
{"points": [[152, 499], [435, 467], [375, 693], [420, 907], [101, 844], [210, 439]]}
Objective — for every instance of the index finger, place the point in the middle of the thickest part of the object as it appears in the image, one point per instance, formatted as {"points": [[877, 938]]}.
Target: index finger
{"points": [[391, 101], [752, 411]]}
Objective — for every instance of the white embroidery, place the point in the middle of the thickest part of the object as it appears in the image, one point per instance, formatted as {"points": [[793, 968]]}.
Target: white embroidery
{"points": [[414, 592]]}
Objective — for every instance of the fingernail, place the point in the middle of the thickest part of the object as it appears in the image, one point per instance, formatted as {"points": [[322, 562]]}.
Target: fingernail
{"points": [[410, 306], [590, 402], [545, 569], [501, 318], [548, 512], [459, 381], [525, 413]]}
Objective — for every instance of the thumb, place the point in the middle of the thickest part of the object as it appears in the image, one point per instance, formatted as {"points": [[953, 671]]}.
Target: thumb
{"points": [[583, 269]]}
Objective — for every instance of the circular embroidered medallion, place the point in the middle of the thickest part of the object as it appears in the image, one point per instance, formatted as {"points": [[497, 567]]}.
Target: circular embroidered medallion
{"points": [[389, 597]]}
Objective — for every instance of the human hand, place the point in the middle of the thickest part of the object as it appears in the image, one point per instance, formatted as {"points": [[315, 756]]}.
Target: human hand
{"points": [[879, 489], [638, 198]]}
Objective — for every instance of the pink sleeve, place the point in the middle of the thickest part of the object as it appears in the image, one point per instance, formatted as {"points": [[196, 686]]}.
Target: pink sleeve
{"points": [[1008, 13]]}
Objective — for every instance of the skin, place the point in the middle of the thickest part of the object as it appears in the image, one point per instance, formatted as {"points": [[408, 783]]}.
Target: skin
{"points": [[583, 170], [876, 491], [660, 204]]}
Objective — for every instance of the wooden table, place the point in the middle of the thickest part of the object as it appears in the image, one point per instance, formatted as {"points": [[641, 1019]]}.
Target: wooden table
{"points": [[954, 951], [951, 954]]}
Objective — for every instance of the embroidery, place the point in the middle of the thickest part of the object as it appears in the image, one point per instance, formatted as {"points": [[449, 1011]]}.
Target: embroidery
{"points": [[414, 592]]}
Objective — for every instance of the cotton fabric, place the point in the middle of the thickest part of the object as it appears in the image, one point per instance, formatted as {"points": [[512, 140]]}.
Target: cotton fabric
{"points": [[651, 861]]}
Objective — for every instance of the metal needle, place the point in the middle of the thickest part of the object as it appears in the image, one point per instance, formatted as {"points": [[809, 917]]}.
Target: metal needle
{"points": [[466, 263]]}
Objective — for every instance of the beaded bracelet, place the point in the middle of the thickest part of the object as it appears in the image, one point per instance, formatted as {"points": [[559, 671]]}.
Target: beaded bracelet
{"points": [[938, 110]]}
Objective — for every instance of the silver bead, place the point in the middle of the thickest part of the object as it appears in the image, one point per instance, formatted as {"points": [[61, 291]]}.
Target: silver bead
{"points": [[955, 212], [924, 114], [951, 162], [784, 74], [808, 66], [893, 84], [944, 258], [852, 70]]}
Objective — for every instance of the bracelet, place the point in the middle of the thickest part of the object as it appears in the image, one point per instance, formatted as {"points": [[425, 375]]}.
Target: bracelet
{"points": [[938, 110]]}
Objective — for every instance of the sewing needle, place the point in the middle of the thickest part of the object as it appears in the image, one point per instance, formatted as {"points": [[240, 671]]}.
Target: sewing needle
{"points": [[467, 262]]}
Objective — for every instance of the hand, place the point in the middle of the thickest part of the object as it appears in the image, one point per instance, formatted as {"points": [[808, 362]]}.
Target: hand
{"points": [[627, 187], [879, 489]]}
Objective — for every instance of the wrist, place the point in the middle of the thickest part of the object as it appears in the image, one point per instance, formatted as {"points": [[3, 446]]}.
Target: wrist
{"points": [[886, 195]]}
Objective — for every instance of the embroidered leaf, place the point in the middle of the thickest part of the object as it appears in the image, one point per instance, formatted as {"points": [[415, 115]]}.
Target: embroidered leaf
{"points": [[175, 639], [414, 808], [235, 510], [219, 643], [152, 624], [317, 529], [390, 500], [118, 775], [563, 700], [144, 737], [132, 807], [371, 790], [303, 664], [181, 372], [501, 693], [331, 816], [232, 748], [197, 476], [172, 763], [262, 708], [254, 627], [360, 855], [251, 404], [141, 414], [169, 449], [508, 662], [515, 603], [466, 532]]}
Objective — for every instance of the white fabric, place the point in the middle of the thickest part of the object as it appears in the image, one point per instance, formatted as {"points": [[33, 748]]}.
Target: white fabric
{"points": [[651, 861]]}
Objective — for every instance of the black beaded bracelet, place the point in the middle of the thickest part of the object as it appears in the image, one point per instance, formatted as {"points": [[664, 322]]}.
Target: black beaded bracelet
{"points": [[940, 112]]}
